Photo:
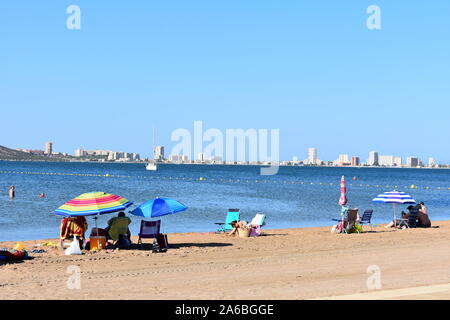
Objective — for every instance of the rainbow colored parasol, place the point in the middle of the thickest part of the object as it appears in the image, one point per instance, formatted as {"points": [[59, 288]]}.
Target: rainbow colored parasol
{"points": [[92, 204]]}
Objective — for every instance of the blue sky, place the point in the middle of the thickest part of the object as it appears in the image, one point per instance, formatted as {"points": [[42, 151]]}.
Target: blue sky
{"points": [[309, 68]]}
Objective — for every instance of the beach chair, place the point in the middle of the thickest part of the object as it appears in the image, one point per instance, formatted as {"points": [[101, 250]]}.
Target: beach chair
{"points": [[367, 218], [256, 224], [149, 230], [352, 218], [412, 218], [232, 215], [348, 220], [411, 221]]}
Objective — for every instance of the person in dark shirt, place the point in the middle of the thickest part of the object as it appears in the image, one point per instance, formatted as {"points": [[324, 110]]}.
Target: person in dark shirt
{"points": [[424, 220]]}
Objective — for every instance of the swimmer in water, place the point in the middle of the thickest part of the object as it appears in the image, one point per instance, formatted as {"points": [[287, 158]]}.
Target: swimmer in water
{"points": [[12, 192]]}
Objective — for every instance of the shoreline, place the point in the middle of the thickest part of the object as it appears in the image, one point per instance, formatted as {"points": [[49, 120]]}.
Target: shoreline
{"points": [[380, 225], [301, 263]]}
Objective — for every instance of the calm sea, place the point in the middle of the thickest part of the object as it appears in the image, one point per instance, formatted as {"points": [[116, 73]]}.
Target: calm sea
{"points": [[296, 197]]}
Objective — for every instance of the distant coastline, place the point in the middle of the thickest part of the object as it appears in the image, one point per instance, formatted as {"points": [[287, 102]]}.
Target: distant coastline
{"points": [[71, 160]]}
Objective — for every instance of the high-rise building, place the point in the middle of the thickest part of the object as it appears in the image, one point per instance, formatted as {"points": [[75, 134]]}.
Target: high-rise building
{"points": [[159, 153], [201, 156], [412, 162], [79, 153], [355, 161], [48, 148], [431, 162], [387, 161], [312, 157], [373, 158], [398, 162], [175, 158], [343, 159]]}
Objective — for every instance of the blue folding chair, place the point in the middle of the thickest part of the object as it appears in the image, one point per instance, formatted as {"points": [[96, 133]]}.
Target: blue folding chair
{"points": [[232, 215], [367, 218]]}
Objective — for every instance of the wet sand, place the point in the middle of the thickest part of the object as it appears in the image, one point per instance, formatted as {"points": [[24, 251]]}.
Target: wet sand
{"points": [[303, 263]]}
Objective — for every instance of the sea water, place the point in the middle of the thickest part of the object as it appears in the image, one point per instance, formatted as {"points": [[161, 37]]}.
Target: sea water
{"points": [[295, 197]]}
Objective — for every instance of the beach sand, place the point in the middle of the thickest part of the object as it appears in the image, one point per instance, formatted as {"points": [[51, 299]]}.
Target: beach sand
{"points": [[303, 263]]}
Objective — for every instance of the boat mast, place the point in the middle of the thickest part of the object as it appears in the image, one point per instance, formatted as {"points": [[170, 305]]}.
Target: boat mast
{"points": [[153, 146]]}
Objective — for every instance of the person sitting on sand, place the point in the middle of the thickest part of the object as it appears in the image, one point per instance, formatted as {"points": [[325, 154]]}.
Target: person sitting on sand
{"points": [[424, 220], [118, 226], [72, 226], [400, 223], [236, 225]]}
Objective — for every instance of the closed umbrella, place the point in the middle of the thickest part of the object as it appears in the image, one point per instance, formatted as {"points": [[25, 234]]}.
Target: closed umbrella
{"points": [[395, 198], [343, 199]]}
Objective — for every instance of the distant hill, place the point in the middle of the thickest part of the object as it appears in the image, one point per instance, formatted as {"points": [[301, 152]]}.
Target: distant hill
{"points": [[10, 154]]}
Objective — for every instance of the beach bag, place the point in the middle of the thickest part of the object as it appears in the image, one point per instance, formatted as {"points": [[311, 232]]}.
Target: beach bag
{"points": [[74, 248], [255, 231], [244, 232], [356, 229], [162, 240]]}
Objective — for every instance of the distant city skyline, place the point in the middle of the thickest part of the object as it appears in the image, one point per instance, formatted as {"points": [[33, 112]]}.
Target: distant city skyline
{"points": [[318, 75], [373, 157]]}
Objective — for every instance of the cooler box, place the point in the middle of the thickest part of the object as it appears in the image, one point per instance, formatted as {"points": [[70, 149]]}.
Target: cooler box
{"points": [[97, 243]]}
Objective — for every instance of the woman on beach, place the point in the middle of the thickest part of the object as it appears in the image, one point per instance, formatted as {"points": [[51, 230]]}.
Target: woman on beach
{"points": [[236, 225], [12, 192], [72, 226], [424, 220]]}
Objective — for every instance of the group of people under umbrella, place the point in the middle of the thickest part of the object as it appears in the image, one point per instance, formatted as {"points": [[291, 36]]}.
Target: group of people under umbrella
{"points": [[74, 223], [394, 198]]}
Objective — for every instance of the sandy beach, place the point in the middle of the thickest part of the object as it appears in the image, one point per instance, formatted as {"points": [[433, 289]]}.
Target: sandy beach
{"points": [[306, 263]]}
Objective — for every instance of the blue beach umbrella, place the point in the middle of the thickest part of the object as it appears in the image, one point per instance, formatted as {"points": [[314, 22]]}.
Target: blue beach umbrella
{"points": [[158, 207], [395, 198]]}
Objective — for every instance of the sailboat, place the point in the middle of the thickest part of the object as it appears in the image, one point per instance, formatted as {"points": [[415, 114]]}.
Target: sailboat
{"points": [[152, 166]]}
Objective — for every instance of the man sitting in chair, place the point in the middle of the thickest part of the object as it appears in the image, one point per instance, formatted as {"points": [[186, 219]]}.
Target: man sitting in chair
{"points": [[118, 226]]}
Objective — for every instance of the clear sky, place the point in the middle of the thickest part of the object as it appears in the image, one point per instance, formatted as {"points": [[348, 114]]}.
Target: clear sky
{"points": [[309, 68]]}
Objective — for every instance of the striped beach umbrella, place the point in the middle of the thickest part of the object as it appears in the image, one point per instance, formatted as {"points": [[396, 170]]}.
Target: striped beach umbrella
{"points": [[92, 204], [395, 198], [343, 199]]}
